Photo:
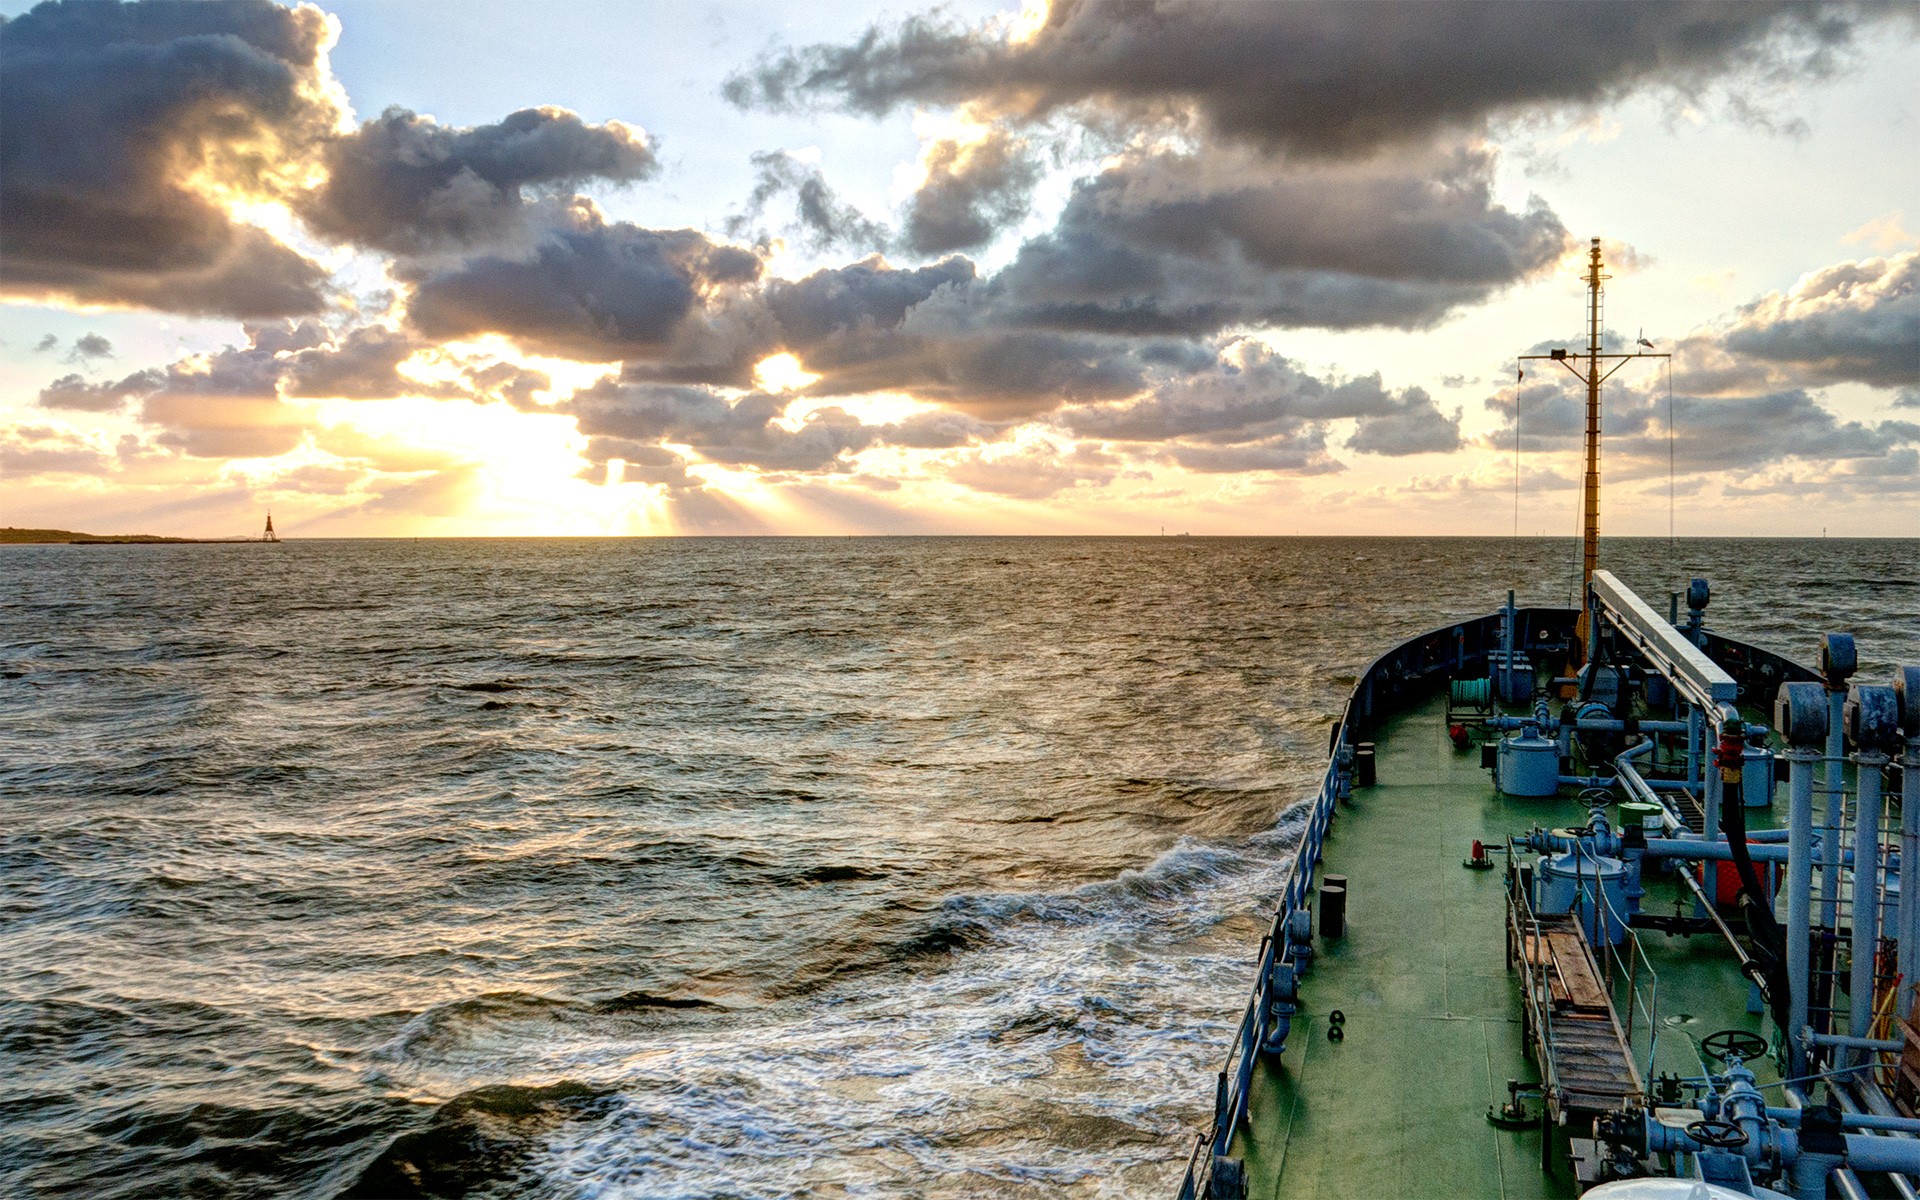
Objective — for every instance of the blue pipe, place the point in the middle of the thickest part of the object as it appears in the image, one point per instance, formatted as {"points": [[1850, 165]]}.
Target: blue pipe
{"points": [[1853, 1120], [1834, 778], [1868, 816], [1799, 900]]}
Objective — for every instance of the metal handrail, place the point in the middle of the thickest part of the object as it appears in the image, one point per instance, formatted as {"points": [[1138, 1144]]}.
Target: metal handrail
{"points": [[1236, 1075], [1611, 958], [1535, 993]]}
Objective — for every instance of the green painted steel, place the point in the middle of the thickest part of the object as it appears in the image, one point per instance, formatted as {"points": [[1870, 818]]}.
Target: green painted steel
{"points": [[1398, 1106]]}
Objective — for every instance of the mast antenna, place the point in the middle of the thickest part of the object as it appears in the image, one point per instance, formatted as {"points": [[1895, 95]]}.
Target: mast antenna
{"points": [[1593, 377]]}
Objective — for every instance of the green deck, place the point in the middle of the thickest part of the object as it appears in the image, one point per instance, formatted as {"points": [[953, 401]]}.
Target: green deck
{"points": [[1433, 1028]]}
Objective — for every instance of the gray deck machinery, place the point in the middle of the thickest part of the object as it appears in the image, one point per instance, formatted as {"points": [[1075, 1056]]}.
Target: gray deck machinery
{"points": [[1830, 956]]}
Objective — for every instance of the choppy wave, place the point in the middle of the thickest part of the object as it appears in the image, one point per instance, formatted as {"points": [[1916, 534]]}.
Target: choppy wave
{"points": [[885, 867]]}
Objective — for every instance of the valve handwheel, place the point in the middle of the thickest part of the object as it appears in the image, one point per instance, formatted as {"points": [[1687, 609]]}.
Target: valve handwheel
{"points": [[1732, 1043], [1718, 1135]]}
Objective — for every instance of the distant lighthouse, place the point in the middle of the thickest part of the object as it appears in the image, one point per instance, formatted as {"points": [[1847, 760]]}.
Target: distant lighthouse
{"points": [[269, 535]]}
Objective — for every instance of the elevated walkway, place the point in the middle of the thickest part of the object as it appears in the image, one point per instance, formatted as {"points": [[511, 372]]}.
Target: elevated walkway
{"points": [[1571, 1027]]}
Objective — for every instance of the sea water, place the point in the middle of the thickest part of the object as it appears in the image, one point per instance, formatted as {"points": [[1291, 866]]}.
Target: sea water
{"points": [[695, 868]]}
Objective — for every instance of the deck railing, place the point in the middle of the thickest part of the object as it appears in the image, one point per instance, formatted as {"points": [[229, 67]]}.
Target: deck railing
{"points": [[1631, 967], [1454, 651], [1536, 990]]}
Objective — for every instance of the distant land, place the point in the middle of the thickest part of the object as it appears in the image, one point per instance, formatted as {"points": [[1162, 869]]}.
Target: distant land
{"points": [[9, 536]]}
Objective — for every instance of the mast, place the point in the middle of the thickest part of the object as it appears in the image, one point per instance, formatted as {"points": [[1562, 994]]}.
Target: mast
{"points": [[1593, 377], [1590, 517]]}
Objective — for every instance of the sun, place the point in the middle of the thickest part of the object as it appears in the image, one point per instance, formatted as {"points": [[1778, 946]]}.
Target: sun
{"points": [[781, 373]]}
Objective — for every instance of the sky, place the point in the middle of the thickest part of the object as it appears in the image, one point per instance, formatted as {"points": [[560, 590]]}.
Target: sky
{"points": [[390, 268]]}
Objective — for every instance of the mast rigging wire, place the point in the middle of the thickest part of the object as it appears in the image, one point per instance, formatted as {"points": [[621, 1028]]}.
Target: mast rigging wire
{"points": [[1669, 365]]}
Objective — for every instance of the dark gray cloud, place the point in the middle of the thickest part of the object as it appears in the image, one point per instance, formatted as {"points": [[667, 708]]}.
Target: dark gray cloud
{"points": [[1194, 243], [588, 290], [410, 185], [641, 462], [821, 221], [972, 192], [1751, 431], [621, 419], [360, 365], [1417, 426], [737, 432], [1710, 432], [89, 346], [1252, 398], [1853, 322], [47, 343], [75, 393], [120, 117], [1327, 77], [859, 300]]}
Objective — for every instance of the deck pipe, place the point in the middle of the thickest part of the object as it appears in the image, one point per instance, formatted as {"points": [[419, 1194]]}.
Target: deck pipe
{"points": [[1771, 1140], [1808, 1035], [1872, 726], [1799, 896], [1689, 849], [1662, 785], [1876, 1107], [1869, 812], [1853, 1120], [1593, 724], [1906, 689], [1837, 663]]}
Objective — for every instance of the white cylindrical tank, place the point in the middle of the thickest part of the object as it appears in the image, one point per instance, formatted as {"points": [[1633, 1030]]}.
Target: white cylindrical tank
{"points": [[1568, 880], [1528, 764], [1664, 1189]]}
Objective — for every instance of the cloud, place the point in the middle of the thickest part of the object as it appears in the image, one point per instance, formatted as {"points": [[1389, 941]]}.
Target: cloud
{"points": [[362, 364], [410, 185], [27, 451], [1326, 78], [75, 393], [1751, 431], [1852, 322], [1300, 453], [1417, 427], [127, 127], [821, 221], [1036, 472], [1255, 399], [1711, 433], [972, 192], [89, 346], [641, 462], [1194, 243], [590, 290], [735, 432]]}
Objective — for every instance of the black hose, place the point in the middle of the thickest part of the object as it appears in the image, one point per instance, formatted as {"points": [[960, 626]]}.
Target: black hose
{"points": [[1769, 940]]}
